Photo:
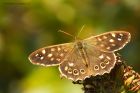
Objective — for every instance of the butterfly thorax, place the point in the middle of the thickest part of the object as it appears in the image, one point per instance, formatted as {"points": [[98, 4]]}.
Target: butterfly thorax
{"points": [[81, 47]]}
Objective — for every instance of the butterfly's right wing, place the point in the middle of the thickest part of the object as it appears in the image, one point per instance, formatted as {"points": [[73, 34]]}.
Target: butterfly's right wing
{"points": [[109, 41], [50, 56], [100, 62]]}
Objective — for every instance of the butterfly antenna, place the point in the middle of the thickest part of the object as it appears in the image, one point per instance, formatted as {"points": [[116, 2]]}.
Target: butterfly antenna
{"points": [[80, 31], [66, 33]]}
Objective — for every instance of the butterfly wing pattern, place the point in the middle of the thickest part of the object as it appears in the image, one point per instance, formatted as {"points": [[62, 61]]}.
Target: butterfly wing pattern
{"points": [[101, 48], [98, 50], [102, 62], [50, 56], [110, 41], [73, 68]]}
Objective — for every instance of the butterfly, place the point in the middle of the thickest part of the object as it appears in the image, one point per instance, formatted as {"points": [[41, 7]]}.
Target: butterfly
{"points": [[83, 58]]}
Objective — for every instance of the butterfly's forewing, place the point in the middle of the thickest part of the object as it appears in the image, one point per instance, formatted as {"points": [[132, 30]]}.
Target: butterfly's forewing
{"points": [[73, 67], [100, 62], [110, 41], [50, 56]]}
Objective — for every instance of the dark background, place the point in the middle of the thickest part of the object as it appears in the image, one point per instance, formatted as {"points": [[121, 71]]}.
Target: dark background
{"points": [[26, 25]]}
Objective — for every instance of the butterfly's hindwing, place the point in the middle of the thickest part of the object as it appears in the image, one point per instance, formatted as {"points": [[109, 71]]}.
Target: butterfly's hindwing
{"points": [[73, 68], [100, 62], [110, 41], [50, 56]]}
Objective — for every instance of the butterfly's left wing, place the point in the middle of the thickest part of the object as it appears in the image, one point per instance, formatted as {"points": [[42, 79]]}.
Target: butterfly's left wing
{"points": [[73, 67], [51, 55], [109, 41]]}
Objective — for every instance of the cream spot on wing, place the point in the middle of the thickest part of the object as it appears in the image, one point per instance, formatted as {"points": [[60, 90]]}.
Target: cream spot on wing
{"points": [[58, 48], [102, 45], [36, 55], [111, 40], [113, 34], [52, 59], [119, 39], [99, 39], [42, 58], [50, 55], [96, 67], [108, 48], [101, 56], [71, 64], [104, 37], [61, 54], [52, 49], [58, 59], [66, 68], [121, 34], [108, 58], [43, 51], [65, 50], [113, 44]]}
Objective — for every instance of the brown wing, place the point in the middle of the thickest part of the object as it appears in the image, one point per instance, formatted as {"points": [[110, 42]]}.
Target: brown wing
{"points": [[100, 62], [50, 56], [110, 41], [73, 68]]}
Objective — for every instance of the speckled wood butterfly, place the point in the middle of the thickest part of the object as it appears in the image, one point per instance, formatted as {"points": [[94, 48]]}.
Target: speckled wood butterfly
{"points": [[83, 58]]}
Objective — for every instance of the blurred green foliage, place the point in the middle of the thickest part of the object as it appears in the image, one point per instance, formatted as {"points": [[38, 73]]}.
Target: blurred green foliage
{"points": [[26, 25]]}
